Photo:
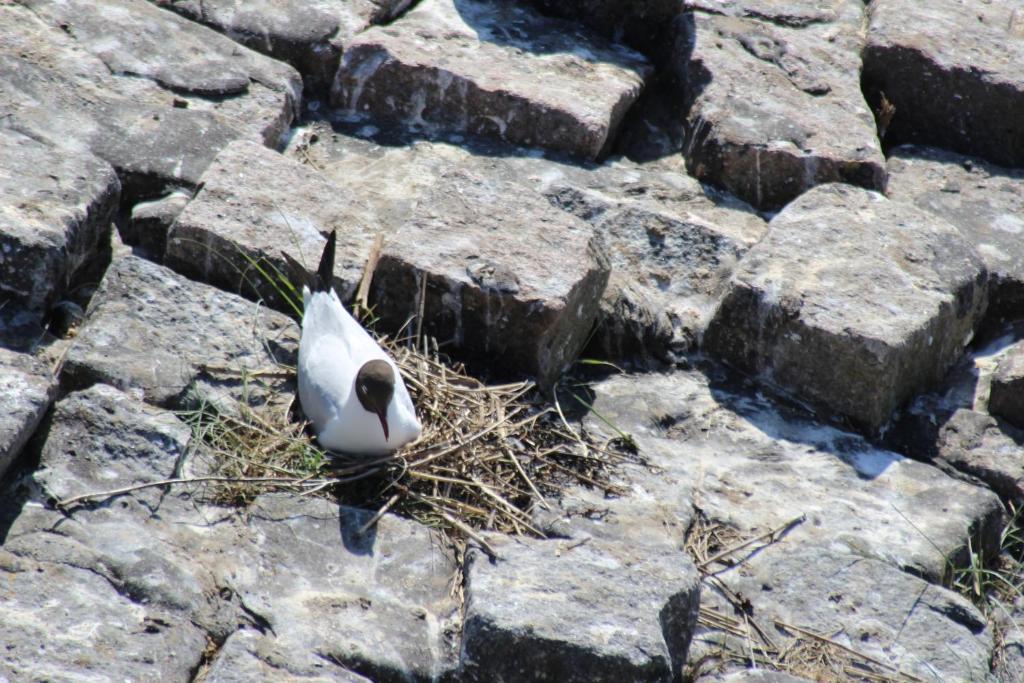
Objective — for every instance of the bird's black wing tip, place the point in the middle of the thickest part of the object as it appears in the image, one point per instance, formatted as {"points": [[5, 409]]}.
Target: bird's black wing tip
{"points": [[325, 273]]}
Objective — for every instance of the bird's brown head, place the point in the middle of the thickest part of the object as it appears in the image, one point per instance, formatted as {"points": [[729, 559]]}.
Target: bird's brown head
{"points": [[375, 385]]}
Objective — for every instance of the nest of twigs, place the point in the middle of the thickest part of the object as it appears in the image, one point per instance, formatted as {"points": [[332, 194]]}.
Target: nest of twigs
{"points": [[487, 456]]}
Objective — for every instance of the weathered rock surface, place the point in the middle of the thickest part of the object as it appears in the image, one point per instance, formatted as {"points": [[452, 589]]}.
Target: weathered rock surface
{"points": [[1010, 665], [1006, 399], [308, 35], [951, 426], [984, 201], [27, 388], [323, 598], [578, 612], [852, 301], [985, 448], [893, 617], [378, 603], [871, 520], [151, 221], [493, 69], [253, 205], [492, 291], [953, 72], [56, 208], [673, 246], [152, 330], [523, 300], [774, 109], [672, 243], [755, 466], [148, 111], [249, 655]]}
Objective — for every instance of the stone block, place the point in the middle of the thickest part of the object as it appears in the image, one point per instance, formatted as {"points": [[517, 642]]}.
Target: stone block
{"points": [[852, 302]]}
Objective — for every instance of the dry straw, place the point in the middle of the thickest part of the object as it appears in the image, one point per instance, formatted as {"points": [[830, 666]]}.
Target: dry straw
{"points": [[488, 455]]}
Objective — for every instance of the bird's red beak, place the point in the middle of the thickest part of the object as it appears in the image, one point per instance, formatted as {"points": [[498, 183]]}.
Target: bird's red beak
{"points": [[384, 423]]}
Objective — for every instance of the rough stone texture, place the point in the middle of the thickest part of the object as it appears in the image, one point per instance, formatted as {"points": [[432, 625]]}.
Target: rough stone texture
{"points": [[248, 655], [672, 243], [853, 302], [378, 604], [951, 427], [151, 221], [27, 388], [253, 205], [673, 246], [492, 290], [775, 109], [1006, 399], [984, 201], [755, 465], [577, 612], [954, 72], [61, 622], [494, 69], [522, 300], [308, 35], [56, 208], [175, 574], [58, 89], [921, 629], [1009, 668], [150, 329], [985, 448]]}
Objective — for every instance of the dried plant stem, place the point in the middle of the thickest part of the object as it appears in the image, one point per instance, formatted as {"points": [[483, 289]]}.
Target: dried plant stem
{"points": [[770, 535]]}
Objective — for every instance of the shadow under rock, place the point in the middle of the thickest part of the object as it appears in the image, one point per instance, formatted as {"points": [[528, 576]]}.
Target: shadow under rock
{"points": [[782, 417]]}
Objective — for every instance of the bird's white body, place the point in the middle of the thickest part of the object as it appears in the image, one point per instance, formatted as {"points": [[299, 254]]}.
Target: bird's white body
{"points": [[332, 348]]}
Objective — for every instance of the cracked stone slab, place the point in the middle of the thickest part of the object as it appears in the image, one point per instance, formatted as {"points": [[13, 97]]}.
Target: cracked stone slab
{"points": [[60, 90], [985, 448], [896, 618], [673, 245], [773, 109], [27, 388], [953, 426], [525, 297], [289, 587], [248, 655], [577, 612], [984, 201], [256, 203], [492, 69], [378, 604], [952, 73], [56, 208], [524, 300], [151, 221], [150, 329], [852, 302], [754, 464], [1006, 399], [672, 242], [60, 622], [107, 579], [308, 35]]}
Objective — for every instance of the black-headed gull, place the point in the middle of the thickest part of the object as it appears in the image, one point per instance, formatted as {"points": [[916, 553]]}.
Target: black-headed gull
{"points": [[349, 387]]}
